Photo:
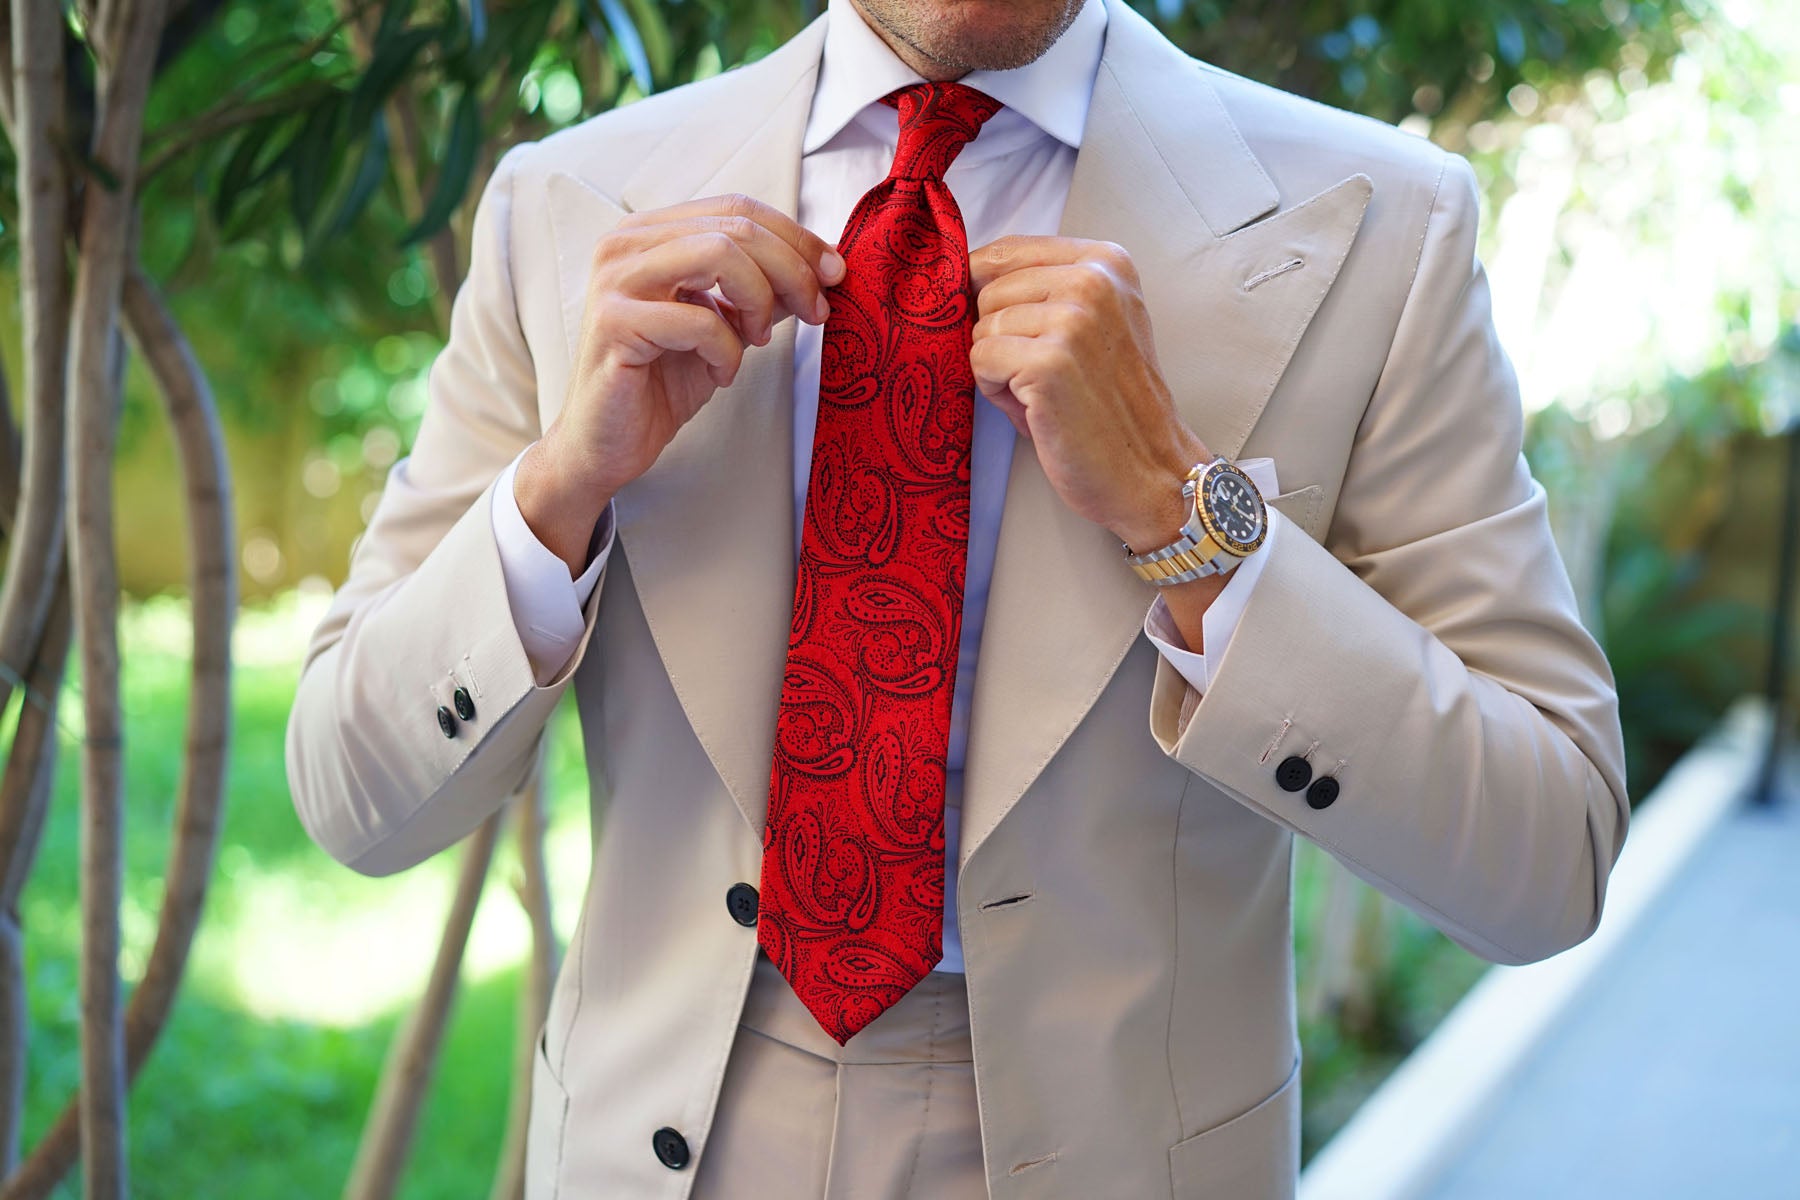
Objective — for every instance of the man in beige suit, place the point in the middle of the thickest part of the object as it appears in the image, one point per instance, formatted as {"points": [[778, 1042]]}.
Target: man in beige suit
{"points": [[1171, 265]]}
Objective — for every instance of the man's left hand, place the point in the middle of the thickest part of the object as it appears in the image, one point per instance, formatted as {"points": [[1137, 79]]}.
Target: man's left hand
{"points": [[1063, 347]]}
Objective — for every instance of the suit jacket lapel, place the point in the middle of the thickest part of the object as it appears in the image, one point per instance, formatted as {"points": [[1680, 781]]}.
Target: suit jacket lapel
{"points": [[1162, 171], [709, 529]]}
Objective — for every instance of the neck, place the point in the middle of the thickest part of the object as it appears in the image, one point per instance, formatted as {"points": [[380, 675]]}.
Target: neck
{"points": [[928, 68]]}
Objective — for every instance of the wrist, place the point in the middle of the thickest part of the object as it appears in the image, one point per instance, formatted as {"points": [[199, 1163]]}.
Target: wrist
{"points": [[560, 510], [1187, 604], [1161, 511]]}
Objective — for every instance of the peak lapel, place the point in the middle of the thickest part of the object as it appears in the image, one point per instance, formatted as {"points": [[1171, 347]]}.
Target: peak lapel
{"points": [[708, 530], [1164, 172]]}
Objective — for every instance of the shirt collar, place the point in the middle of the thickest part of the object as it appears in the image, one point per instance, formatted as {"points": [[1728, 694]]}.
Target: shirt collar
{"points": [[857, 69]]}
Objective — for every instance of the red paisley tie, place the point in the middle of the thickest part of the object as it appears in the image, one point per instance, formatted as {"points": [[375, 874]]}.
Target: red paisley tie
{"points": [[852, 898]]}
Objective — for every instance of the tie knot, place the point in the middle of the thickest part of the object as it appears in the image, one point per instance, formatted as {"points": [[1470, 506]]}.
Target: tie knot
{"points": [[936, 121]]}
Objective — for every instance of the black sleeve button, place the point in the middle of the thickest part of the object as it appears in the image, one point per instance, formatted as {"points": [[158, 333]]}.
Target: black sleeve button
{"points": [[1323, 791], [671, 1148], [465, 706], [741, 901], [446, 722], [1293, 774]]}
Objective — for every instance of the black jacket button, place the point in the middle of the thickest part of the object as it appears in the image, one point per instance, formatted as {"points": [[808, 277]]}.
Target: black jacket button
{"points": [[465, 707], [446, 722], [1293, 774], [740, 899], [1323, 791], [671, 1148]]}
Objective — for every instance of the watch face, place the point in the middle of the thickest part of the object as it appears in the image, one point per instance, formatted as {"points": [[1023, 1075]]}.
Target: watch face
{"points": [[1234, 510]]}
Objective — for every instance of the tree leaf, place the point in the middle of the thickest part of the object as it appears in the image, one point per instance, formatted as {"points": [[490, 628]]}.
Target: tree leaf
{"points": [[658, 45], [242, 171], [454, 170], [393, 17], [312, 160], [631, 43], [388, 67], [370, 171]]}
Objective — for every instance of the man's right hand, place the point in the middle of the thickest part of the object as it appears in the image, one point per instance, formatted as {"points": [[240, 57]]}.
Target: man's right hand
{"points": [[657, 341]]}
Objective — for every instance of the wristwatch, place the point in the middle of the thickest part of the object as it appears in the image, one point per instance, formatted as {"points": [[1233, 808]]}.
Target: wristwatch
{"points": [[1228, 524]]}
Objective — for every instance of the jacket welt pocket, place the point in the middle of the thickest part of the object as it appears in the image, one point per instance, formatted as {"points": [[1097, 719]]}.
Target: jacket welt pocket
{"points": [[1253, 1156]]}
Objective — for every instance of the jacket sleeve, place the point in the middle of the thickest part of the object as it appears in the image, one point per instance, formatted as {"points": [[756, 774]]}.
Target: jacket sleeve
{"points": [[375, 780], [1429, 658]]}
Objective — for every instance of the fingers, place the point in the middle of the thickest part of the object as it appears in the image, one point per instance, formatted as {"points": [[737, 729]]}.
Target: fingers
{"points": [[1055, 318], [657, 326], [999, 362], [1009, 405], [696, 264], [1017, 254], [799, 264], [809, 245]]}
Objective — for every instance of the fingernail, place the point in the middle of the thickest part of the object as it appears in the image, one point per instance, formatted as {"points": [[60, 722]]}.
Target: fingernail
{"points": [[831, 264], [821, 308]]}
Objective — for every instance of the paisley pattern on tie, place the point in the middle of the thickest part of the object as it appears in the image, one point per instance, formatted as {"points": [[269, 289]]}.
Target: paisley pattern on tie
{"points": [[852, 897]]}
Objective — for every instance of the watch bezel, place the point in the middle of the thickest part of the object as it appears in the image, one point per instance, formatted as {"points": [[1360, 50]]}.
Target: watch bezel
{"points": [[1202, 496]]}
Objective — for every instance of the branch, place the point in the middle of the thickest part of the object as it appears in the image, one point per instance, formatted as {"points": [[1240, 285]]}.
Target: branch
{"points": [[36, 127], [24, 800], [215, 123], [9, 460], [533, 889], [129, 51], [206, 477], [406, 1078]]}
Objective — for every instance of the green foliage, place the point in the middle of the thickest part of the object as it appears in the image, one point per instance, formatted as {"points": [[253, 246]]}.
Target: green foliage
{"points": [[1678, 656], [1684, 637], [1389, 58]]}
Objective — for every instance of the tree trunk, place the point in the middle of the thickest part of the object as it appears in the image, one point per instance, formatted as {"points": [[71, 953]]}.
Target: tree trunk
{"points": [[129, 30], [406, 1079], [35, 116]]}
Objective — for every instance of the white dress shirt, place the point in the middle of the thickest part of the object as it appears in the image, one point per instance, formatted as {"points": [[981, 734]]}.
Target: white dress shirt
{"points": [[1011, 179]]}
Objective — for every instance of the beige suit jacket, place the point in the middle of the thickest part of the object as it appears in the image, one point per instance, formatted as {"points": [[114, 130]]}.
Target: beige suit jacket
{"points": [[1125, 863]]}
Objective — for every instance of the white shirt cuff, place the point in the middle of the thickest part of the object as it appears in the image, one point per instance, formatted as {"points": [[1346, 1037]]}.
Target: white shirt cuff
{"points": [[1217, 626], [1222, 616], [546, 604]]}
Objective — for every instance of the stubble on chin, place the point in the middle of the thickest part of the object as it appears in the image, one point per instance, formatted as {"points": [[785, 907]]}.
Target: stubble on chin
{"points": [[952, 48]]}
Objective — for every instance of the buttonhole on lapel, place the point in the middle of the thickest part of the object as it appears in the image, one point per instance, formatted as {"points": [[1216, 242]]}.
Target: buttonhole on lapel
{"points": [[1033, 1162], [1019, 899], [1262, 277], [469, 669]]}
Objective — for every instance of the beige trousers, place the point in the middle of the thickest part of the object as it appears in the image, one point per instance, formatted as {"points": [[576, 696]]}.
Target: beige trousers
{"points": [[889, 1116]]}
